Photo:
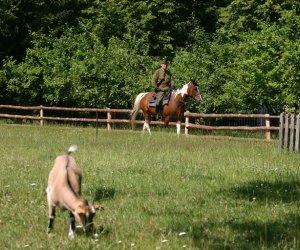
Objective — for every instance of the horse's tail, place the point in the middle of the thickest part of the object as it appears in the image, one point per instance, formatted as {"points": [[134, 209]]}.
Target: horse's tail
{"points": [[136, 109]]}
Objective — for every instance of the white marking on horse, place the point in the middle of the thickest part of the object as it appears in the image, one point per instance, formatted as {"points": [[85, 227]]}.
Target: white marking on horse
{"points": [[183, 91], [146, 127], [178, 128]]}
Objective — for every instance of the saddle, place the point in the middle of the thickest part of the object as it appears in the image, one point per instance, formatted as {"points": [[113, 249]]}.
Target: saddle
{"points": [[165, 100]]}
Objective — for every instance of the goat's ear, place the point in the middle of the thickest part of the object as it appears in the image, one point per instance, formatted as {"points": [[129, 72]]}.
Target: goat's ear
{"points": [[98, 207], [80, 209]]}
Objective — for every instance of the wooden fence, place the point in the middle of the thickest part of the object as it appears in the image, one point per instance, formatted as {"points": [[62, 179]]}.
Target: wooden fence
{"points": [[267, 128], [289, 132], [109, 120]]}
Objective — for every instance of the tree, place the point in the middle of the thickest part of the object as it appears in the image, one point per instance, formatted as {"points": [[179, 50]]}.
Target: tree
{"points": [[19, 18], [261, 65], [76, 70], [158, 27]]}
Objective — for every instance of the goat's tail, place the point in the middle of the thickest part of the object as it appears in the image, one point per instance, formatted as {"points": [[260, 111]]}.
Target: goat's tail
{"points": [[72, 149]]}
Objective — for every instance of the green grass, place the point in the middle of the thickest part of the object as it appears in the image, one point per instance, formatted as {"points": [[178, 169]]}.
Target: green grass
{"points": [[160, 191]]}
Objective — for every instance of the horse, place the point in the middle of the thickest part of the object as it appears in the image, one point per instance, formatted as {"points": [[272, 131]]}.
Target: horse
{"points": [[173, 111]]}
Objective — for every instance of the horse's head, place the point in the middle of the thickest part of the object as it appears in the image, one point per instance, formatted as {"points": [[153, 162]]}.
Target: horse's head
{"points": [[193, 91]]}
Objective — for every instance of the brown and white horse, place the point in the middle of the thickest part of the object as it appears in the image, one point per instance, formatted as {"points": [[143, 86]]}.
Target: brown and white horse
{"points": [[173, 111]]}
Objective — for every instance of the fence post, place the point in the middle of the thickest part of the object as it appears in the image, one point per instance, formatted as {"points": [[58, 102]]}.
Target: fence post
{"points": [[41, 116], [268, 132], [187, 121], [97, 125], [281, 130], [108, 119], [286, 131], [292, 131], [297, 132]]}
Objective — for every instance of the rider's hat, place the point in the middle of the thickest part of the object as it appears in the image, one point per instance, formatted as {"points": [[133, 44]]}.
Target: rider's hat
{"points": [[164, 61]]}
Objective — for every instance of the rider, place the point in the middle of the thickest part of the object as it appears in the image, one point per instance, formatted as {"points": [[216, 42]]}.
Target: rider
{"points": [[162, 81]]}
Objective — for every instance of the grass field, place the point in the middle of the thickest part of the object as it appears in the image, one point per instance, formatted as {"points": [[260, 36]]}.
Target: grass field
{"points": [[159, 191]]}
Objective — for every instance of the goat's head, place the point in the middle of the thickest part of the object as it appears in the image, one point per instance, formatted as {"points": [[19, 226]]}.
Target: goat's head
{"points": [[84, 215]]}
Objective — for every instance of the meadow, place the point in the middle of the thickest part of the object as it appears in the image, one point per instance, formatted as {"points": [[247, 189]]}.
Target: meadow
{"points": [[159, 191]]}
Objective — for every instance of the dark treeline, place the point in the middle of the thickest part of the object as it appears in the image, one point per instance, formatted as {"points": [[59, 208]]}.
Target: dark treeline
{"points": [[95, 53]]}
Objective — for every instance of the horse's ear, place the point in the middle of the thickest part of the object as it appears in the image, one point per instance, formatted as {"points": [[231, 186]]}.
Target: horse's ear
{"points": [[193, 81]]}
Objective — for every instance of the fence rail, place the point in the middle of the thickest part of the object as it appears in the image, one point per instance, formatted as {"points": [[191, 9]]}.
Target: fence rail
{"points": [[267, 128]]}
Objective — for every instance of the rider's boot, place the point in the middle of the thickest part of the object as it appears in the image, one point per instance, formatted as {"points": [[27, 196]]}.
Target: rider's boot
{"points": [[158, 115]]}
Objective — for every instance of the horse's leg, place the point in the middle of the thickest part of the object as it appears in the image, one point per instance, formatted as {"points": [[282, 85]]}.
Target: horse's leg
{"points": [[146, 125], [178, 127], [178, 124]]}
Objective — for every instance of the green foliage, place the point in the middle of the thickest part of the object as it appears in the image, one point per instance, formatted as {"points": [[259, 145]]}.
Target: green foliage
{"points": [[77, 70], [20, 18], [244, 54], [191, 64], [248, 67], [261, 64]]}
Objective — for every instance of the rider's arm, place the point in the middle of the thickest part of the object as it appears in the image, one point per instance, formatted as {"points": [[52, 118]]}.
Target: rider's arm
{"points": [[172, 83], [154, 80], [164, 89]]}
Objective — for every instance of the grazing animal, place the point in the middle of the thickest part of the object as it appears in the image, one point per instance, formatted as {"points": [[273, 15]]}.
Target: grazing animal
{"points": [[64, 190], [173, 111]]}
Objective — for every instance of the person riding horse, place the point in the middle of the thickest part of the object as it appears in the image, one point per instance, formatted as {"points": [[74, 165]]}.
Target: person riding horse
{"points": [[174, 111], [163, 82]]}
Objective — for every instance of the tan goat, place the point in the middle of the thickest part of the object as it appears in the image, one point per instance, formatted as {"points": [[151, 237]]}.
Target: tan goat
{"points": [[64, 190]]}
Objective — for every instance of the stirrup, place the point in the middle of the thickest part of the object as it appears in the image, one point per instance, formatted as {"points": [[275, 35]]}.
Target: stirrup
{"points": [[158, 110], [158, 116]]}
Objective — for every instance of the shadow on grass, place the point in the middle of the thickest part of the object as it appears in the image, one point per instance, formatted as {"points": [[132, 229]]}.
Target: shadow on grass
{"points": [[277, 234], [249, 233], [283, 234], [273, 191]]}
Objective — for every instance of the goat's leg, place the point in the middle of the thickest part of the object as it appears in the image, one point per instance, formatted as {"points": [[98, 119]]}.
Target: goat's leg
{"points": [[72, 226], [51, 218]]}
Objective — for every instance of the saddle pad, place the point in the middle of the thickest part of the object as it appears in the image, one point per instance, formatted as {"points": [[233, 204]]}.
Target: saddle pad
{"points": [[152, 101]]}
